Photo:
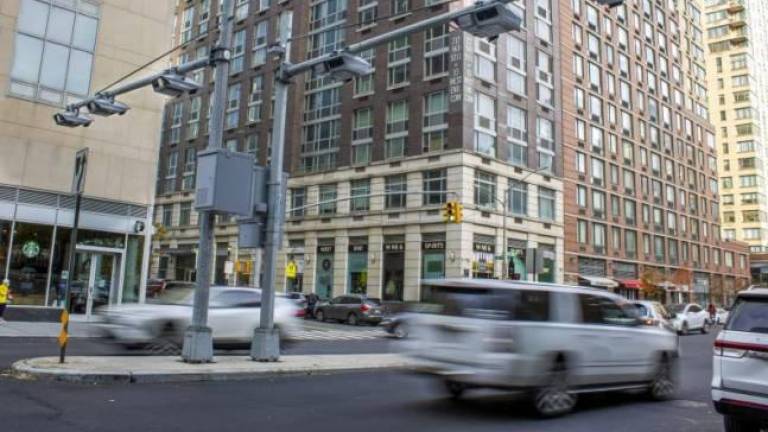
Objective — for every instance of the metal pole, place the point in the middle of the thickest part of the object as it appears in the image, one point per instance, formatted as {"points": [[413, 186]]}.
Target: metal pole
{"points": [[504, 247], [70, 274], [198, 341], [266, 339]]}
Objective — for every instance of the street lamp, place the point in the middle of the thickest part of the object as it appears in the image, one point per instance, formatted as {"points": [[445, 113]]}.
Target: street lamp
{"points": [[72, 118], [174, 85], [106, 106]]}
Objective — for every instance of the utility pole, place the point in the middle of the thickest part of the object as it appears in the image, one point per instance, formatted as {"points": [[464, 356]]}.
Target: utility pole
{"points": [[198, 341]]}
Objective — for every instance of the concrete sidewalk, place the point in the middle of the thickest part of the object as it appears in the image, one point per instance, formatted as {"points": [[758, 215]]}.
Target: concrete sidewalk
{"points": [[129, 369]]}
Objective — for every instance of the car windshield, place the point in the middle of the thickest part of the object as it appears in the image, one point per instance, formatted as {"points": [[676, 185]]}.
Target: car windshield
{"points": [[178, 294], [677, 308], [749, 315]]}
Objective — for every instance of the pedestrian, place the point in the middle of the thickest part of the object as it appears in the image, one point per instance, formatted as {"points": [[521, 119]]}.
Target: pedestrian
{"points": [[5, 296], [311, 303], [712, 312]]}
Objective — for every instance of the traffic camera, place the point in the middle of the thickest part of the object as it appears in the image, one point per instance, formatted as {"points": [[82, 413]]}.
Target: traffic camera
{"points": [[174, 85], [72, 118], [344, 66], [106, 106], [490, 20]]}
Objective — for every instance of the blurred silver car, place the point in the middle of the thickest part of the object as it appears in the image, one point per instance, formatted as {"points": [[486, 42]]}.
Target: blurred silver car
{"points": [[353, 309], [554, 342], [160, 324], [654, 314]]}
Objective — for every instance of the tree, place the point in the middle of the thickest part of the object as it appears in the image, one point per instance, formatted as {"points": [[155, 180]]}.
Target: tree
{"points": [[649, 283]]}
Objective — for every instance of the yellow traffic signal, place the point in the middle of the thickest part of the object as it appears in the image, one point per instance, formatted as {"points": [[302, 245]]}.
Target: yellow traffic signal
{"points": [[458, 212], [449, 212]]}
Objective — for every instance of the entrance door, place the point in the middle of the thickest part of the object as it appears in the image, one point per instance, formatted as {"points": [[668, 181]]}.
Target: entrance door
{"points": [[95, 281]]}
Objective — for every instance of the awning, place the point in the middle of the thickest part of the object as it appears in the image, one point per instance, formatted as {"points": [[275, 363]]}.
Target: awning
{"points": [[629, 283], [598, 282]]}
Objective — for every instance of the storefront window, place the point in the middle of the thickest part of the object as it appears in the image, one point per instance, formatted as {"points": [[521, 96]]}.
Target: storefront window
{"points": [[59, 265], [324, 275], [547, 271], [433, 256], [358, 266], [30, 256], [483, 249], [517, 268], [394, 268], [5, 242]]}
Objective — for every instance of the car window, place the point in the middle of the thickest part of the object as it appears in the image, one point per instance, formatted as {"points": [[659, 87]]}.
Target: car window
{"points": [[503, 304], [749, 315], [373, 301], [642, 310], [237, 298], [353, 300], [694, 309], [337, 300], [677, 308], [603, 310]]}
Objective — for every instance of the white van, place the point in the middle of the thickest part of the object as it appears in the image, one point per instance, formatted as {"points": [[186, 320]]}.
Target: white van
{"points": [[552, 341]]}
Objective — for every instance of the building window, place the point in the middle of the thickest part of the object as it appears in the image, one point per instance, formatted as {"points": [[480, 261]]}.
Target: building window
{"points": [[435, 187], [193, 123], [518, 198], [436, 56], [185, 214], [53, 50], [360, 191], [399, 60], [364, 84], [255, 99], [598, 237], [366, 13], [327, 199], [298, 201], [485, 190], [546, 204], [485, 124], [190, 161], [237, 62], [395, 189], [186, 24], [259, 50], [400, 7], [204, 16], [397, 129], [485, 60], [176, 116], [233, 107], [435, 121]]}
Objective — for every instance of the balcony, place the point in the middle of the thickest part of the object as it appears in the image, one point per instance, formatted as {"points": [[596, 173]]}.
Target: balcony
{"points": [[735, 6], [737, 20]]}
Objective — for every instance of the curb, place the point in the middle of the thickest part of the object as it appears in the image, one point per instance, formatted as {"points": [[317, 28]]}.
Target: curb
{"points": [[27, 370]]}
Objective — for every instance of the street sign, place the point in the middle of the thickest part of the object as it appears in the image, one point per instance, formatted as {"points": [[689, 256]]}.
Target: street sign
{"points": [[81, 166], [290, 270]]}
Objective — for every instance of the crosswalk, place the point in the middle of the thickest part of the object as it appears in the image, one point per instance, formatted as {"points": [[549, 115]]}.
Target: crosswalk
{"points": [[338, 335]]}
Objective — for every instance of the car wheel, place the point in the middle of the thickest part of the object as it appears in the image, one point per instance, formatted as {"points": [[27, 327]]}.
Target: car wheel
{"points": [[166, 342], [663, 386], [737, 424], [352, 320], [400, 331], [455, 389], [320, 316], [554, 399], [684, 329]]}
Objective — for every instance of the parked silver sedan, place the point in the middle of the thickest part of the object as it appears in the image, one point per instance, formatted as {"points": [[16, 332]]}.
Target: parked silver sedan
{"points": [[353, 309]]}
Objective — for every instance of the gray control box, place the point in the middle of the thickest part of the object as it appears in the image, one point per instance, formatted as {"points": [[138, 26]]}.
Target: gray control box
{"points": [[224, 182]]}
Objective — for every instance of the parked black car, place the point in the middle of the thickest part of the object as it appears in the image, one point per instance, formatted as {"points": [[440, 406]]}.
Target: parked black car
{"points": [[351, 308]]}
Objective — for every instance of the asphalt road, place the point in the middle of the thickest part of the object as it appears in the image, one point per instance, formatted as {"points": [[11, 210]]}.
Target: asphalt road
{"points": [[381, 401]]}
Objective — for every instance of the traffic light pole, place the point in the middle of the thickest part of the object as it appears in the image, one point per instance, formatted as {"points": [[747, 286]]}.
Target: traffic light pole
{"points": [[198, 341]]}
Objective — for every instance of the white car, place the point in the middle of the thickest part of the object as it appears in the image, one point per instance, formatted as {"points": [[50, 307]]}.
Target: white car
{"points": [[553, 342], [740, 373], [654, 313], [233, 315], [688, 317]]}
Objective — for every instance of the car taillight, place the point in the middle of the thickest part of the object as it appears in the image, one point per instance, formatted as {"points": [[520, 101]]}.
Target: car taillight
{"points": [[300, 313], [650, 321], [365, 308], [501, 340], [730, 349]]}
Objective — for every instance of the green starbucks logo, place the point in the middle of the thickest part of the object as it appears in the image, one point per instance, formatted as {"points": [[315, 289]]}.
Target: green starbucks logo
{"points": [[31, 249]]}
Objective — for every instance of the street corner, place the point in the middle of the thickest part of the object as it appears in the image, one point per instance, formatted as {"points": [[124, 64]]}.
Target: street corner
{"points": [[156, 369]]}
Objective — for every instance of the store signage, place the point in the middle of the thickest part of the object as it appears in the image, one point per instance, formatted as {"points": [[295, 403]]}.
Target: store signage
{"points": [[483, 247], [433, 245], [358, 248], [31, 249], [291, 270], [394, 247], [326, 249]]}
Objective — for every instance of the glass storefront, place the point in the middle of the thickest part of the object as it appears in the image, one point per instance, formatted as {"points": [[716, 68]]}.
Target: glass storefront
{"points": [[433, 256], [324, 273], [516, 260], [30, 256], [5, 242], [358, 266], [483, 250], [394, 268]]}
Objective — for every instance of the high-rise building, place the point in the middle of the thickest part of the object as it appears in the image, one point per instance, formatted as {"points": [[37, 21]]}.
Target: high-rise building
{"points": [[640, 156], [56, 52], [737, 77], [445, 116]]}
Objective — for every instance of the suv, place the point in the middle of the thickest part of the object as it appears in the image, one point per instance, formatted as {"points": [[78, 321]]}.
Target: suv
{"points": [[554, 342], [740, 376], [352, 308]]}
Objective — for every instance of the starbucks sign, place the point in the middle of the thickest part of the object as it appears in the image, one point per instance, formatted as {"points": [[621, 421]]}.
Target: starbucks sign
{"points": [[31, 249]]}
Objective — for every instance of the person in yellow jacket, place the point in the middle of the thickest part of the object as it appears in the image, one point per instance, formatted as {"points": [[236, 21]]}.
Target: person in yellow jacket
{"points": [[5, 295]]}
